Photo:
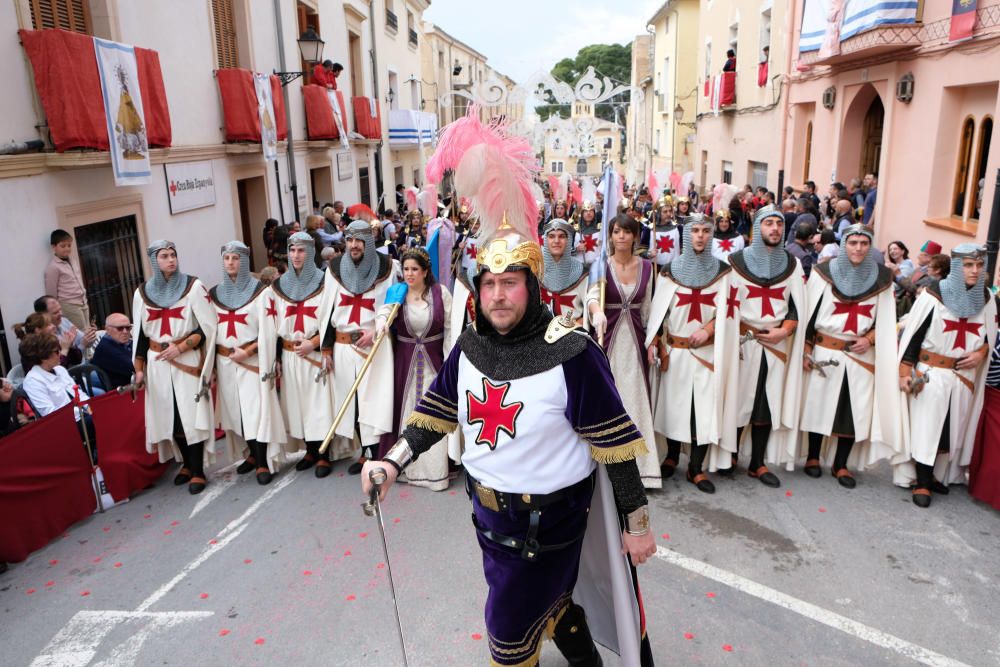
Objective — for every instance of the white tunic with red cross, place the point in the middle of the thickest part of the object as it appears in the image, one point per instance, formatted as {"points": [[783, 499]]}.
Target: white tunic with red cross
{"points": [[469, 254], [591, 242], [517, 436], [568, 301], [723, 248], [666, 245]]}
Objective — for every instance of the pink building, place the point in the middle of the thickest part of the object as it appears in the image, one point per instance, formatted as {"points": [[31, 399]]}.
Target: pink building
{"points": [[885, 91]]}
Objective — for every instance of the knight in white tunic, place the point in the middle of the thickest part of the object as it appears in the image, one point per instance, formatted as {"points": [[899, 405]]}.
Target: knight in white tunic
{"points": [[948, 336], [694, 344], [851, 390], [247, 408], [291, 328], [588, 244], [174, 352], [726, 240], [766, 295], [564, 285], [663, 235], [357, 284]]}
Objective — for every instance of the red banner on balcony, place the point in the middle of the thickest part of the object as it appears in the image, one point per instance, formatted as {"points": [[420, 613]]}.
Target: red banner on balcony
{"points": [[762, 74], [320, 123], [727, 90], [45, 483], [963, 19], [239, 105], [121, 435], [65, 69], [367, 125], [278, 98]]}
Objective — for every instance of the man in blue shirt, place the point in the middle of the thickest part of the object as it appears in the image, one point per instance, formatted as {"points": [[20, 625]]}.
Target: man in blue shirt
{"points": [[871, 182], [114, 353]]}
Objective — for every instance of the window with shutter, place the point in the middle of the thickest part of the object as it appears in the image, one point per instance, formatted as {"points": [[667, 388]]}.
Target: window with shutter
{"points": [[73, 15], [227, 54]]}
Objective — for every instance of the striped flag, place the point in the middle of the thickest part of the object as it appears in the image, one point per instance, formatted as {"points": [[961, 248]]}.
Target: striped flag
{"points": [[963, 18]]}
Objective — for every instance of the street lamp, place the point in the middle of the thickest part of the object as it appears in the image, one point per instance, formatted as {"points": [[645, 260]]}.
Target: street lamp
{"points": [[311, 50], [679, 115]]}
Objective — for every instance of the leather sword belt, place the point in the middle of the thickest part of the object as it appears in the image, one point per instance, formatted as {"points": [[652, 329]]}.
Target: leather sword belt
{"points": [[744, 328], [943, 361], [500, 501], [685, 343], [224, 351], [289, 345], [841, 345], [348, 338], [184, 368]]}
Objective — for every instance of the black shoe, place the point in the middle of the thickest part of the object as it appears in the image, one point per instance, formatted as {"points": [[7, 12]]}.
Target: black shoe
{"points": [[183, 477], [726, 472], [702, 482], [248, 465], [667, 468], [922, 497], [939, 488], [323, 469], [355, 468], [196, 485], [766, 477], [812, 469], [263, 476], [573, 639], [308, 461], [845, 478]]}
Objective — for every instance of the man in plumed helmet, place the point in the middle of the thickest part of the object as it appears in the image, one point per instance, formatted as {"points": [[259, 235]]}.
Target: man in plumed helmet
{"points": [[292, 323], [564, 284], [537, 444], [851, 406], [768, 293], [246, 408], [174, 334], [948, 336], [663, 236], [693, 341], [358, 281]]}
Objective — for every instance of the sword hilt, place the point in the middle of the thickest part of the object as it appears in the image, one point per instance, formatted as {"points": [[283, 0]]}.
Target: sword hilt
{"points": [[377, 477]]}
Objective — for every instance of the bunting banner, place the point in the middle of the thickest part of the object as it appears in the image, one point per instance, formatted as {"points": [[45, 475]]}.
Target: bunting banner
{"points": [[265, 109], [123, 111], [963, 19], [338, 118]]}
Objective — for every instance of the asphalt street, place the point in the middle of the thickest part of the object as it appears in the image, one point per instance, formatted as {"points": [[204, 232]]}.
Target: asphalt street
{"points": [[293, 573]]}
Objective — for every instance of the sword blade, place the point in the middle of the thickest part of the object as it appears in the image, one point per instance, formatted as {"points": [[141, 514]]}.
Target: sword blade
{"points": [[388, 571]]}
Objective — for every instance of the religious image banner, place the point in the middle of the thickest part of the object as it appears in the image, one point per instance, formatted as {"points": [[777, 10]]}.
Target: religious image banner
{"points": [[265, 107], [127, 138], [963, 19], [338, 118]]}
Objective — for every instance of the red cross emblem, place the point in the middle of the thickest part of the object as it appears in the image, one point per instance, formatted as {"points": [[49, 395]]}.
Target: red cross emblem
{"points": [[164, 315], [230, 319], [557, 301], [852, 310], [695, 299], [470, 308], [765, 294], [665, 243], [963, 327], [732, 303], [208, 297], [301, 311], [470, 250], [726, 245], [356, 302], [589, 242], [491, 413], [271, 310]]}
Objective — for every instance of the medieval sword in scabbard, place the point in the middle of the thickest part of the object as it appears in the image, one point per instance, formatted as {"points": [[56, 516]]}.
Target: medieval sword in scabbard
{"points": [[818, 366], [918, 381], [132, 388], [374, 508], [747, 337], [395, 297], [271, 375], [203, 392]]}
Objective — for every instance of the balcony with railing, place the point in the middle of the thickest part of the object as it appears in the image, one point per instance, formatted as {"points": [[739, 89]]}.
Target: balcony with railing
{"points": [[391, 22]]}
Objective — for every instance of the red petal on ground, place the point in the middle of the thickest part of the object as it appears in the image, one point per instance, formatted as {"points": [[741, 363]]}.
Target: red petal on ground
{"points": [[118, 564], [351, 598], [381, 566], [213, 541], [665, 536], [822, 509], [688, 635], [476, 636], [259, 641], [84, 593], [107, 529], [50, 583], [96, 560], [396, 520], [347, 553], [147, 516], [451, 493], [223, 632], [29, 591], [168, 532], [53, 562], [204, 596], [247, 561], [727, 647], [363, 535], [306, 573], [174, 523]]}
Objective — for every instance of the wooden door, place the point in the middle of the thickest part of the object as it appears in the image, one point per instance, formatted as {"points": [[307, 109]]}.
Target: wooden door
{"points": [[871, 142]]}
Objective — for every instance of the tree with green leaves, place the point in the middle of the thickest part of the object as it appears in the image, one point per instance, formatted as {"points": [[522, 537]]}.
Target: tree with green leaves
{"points": [[611, 60]]}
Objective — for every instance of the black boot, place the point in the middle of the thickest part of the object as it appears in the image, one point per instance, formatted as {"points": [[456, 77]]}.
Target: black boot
{"points": [[184, 474], [323, 468], [812, 461], [309, 460], [695, 474], [759, 435], [839, 470], [196, 459], [572, 638], [250, 462], [366, 453], [260, 454], [669, 464]]}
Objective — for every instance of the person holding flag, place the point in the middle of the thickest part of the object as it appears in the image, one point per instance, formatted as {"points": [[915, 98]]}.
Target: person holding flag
{"points": [[421, 343]]}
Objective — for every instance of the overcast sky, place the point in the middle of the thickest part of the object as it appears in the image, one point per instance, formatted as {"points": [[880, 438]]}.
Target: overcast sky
{"points": [[520, 37]]}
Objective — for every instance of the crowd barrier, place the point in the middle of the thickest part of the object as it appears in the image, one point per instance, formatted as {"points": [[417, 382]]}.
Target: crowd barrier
{"points": [[47, 482]]}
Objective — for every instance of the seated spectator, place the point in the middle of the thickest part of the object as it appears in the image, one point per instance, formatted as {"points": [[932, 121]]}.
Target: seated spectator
{"points": [[41, 323], [113, 353], [48, 386], [81, 340], [7, 421]]}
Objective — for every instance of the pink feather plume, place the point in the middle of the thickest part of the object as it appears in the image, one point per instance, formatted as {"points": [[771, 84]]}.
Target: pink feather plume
{"points": [[675, 182], [575, 191], [554, 186], [410, 195], [653, 185], [428, 200]]}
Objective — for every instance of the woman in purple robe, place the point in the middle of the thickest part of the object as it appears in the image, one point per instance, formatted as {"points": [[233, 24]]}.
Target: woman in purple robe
{"points": [[628, 292], [420, 332]]}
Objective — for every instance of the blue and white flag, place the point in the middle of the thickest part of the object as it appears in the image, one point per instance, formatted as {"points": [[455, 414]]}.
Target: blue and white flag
{"points": [[123, 111], [609, 187]]}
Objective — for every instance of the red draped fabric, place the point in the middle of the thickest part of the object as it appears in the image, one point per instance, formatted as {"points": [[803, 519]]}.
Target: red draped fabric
{"points": [[727, 90], [69, 86], [319, 116], [762, 74], [239, 104], [45, 484], [364, 123], [984, 469], [278, 100], [121, 434]]}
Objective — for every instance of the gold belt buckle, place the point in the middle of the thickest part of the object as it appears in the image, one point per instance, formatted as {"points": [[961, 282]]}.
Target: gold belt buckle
{"points": [[487, 497]]}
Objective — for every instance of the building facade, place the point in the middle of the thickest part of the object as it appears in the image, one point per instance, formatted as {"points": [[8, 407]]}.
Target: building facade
{"points": [[900, 100], [738, 138], [587, 149], [639, 119]]}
